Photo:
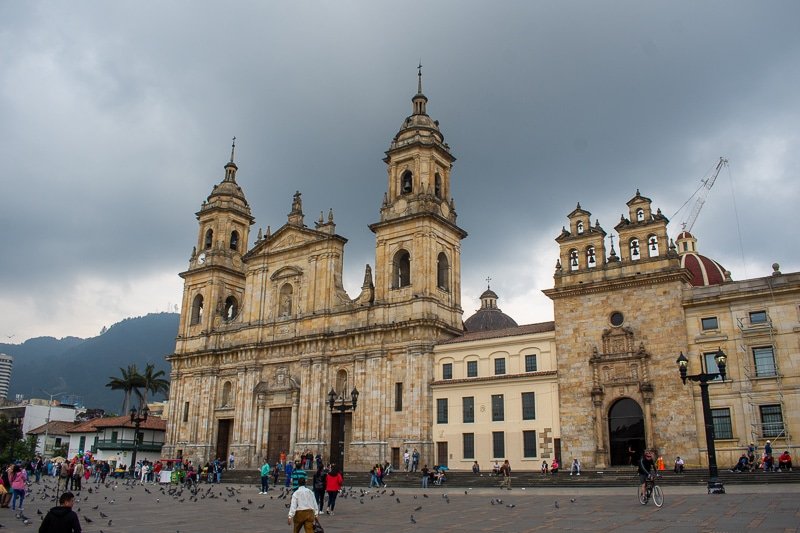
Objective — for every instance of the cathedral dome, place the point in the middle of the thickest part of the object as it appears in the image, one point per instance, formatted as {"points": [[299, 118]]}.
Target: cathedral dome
{"points": [[705, 271], [489, 317]]}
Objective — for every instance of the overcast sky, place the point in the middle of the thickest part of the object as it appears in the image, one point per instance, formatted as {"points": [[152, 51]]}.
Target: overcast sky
{"points": [[116, 120]]}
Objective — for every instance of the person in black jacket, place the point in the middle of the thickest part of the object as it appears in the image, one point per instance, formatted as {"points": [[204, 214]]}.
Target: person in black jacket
{"points": [[62, 519]]}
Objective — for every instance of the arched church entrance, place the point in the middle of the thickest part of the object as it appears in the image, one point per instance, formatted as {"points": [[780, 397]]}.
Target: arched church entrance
{"points": [[625, 432]]}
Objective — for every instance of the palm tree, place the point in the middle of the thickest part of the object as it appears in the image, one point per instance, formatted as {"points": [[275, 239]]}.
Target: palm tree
{"points": [[129, 381], [152, 382]]}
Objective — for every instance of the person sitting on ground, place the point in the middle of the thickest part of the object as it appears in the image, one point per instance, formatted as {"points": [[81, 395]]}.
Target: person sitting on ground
{"points": [[545, 467], [554, 466], [476, 469], [496, 469], [768, 462], [575, 468], [785, 461], [438, 476], [62, 518], [679, 465]]}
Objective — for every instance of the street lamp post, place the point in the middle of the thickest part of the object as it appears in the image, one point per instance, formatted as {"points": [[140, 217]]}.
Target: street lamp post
{"points": [[137, 417], [714, 484], [338, 403], [47, 422]]}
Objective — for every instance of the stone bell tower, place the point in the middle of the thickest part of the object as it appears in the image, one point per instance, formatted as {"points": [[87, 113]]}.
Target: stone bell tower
{"points": [[619, 327], [214, 284], [418, 244]]}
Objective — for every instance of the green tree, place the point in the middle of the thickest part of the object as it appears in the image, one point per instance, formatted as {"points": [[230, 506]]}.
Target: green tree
{"points": [[129, 381], [153, 382]]}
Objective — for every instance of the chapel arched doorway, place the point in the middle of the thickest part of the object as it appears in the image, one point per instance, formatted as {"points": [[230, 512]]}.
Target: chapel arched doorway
{"points": [[625, 431]]}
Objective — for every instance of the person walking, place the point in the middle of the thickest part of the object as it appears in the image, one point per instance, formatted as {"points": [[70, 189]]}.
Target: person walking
{"points": [[77, 475], [303, 510], [61, 519], [318, 482], [506, 471], [425, 476], [18, 479], [264, 477], [333, 484]]}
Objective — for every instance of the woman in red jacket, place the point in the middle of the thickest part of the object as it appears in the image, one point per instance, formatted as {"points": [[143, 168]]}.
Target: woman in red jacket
{"points": [[333, 483]]}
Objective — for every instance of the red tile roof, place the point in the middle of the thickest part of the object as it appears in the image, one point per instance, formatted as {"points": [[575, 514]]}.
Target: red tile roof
{"points": [[54, 427], [119, 422]]}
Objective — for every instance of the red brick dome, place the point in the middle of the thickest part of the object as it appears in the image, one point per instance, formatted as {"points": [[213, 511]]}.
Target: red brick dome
{"points": [[704, 271]]}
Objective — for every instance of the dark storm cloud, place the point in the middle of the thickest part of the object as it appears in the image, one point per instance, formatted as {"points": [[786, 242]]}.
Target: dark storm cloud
{"points": [[117, 118]]}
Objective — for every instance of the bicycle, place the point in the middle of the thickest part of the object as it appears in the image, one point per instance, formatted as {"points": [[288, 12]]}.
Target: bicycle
{"points": [[651, 490]]}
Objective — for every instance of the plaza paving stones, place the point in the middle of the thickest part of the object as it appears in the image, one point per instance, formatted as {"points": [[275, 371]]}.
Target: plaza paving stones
{"points": [[221, 509]]}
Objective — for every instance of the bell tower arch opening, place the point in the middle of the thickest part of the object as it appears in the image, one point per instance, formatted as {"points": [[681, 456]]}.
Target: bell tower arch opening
{"points": [[625, 432]]}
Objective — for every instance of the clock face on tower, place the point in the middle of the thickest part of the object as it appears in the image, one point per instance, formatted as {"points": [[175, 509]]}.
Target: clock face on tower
{"points": [[201, 259]]}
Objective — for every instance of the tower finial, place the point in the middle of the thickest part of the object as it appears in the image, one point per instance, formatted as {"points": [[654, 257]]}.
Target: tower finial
{"points": [[233, 147], [419, 77], [488, 283]]}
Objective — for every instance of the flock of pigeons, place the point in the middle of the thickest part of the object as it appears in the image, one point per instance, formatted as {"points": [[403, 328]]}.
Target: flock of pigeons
{"points": [[88, 502]]}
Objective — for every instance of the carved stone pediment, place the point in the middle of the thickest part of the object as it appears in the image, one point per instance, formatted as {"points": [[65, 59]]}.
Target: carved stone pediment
{"points": [[620, 363], [617, 341], [281, 381]]}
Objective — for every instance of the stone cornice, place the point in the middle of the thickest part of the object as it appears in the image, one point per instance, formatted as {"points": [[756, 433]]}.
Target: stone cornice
{"points": [[640, 280], [394, 221], [504, 377]]}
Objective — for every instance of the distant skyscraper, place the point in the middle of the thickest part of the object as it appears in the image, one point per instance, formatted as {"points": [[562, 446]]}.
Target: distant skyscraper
{"points": [[6, 364]]}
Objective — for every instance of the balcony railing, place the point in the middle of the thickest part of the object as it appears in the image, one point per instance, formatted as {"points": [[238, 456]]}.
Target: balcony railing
{"points": [[127, 444]]}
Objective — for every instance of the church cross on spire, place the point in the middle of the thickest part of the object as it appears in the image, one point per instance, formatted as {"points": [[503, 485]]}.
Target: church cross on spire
{"points": [[488, 282], [233, 148], [419, 77]]}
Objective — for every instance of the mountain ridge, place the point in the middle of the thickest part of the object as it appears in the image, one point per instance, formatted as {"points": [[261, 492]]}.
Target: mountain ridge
{"points": [[81, 367]]}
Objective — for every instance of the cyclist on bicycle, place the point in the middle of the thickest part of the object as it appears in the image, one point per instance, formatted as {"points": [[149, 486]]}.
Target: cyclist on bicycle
{"points": [[647, 468]]}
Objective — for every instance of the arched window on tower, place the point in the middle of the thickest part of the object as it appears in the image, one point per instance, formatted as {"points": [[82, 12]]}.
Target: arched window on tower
{"points": [[197, 310], [442, 272], [209, 239], [234, 240], [227, 397], [231, 308], [640, 215], [285, 300], [591, 260], [573, 260], [401, 269], [579, 227], [407, 182], [652, 246], [437, 185], [634, 247]]}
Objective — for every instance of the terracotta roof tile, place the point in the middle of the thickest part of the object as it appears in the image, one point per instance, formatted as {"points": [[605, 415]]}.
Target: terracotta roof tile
{"points": [[54, 427]]}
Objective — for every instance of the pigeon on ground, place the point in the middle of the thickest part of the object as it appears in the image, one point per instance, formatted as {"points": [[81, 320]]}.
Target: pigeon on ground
{"points": [[412, 519], [88, 520], [557, 506], [418, 508]]}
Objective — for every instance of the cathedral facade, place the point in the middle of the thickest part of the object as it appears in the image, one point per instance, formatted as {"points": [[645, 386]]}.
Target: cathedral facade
{"points": [[268, 333], [273, 356]]}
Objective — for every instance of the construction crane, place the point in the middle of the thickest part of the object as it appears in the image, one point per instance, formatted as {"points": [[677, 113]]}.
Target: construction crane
{"points": [[701, 198]]}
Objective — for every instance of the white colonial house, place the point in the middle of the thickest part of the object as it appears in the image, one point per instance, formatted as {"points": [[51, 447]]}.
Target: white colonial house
{"points": [[113, 439]]}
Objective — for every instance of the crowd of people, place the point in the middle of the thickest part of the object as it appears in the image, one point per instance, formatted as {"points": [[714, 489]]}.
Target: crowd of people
{"points": [[748, 462]]}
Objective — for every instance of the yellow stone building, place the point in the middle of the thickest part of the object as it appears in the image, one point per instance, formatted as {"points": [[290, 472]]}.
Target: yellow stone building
{"points": [[495, 393], [266, 332]]}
